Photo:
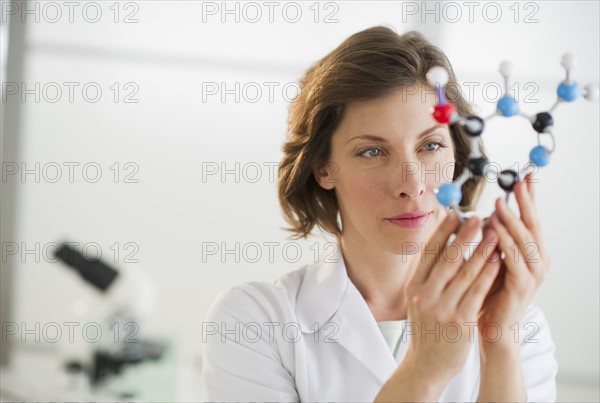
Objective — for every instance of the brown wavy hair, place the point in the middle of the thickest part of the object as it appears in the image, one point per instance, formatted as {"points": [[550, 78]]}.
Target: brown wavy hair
{"points": [[369, 64]]}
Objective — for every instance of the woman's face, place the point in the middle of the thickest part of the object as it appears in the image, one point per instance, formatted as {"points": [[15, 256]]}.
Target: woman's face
{"points": [[376, 179]]}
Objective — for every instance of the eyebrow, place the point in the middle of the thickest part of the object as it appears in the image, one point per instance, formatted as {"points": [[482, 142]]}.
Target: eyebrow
{"points": [[383, 140]]}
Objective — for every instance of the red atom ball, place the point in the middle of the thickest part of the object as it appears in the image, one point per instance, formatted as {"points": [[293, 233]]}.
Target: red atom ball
{"points": [[443, 112]]}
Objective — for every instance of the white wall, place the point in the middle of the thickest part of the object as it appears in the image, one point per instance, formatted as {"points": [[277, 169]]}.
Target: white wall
{"points": [[172, 133]]}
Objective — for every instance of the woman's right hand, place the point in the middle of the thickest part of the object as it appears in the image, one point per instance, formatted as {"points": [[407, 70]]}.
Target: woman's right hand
{"points": [[444, 295]]}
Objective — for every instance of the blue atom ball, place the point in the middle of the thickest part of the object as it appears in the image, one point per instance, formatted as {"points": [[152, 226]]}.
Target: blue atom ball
{"points": [[568, 92], [539, 156], [449, 194], [508, 106]]}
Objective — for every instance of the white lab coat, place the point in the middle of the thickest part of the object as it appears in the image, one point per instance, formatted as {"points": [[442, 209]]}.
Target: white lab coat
{"points": [[310, 336]]}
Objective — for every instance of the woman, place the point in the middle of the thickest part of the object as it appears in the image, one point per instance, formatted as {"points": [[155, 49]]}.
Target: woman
{"points": [[398, 312]]}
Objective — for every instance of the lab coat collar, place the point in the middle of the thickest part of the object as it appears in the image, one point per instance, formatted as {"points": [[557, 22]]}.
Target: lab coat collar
{"points": [[321, 292], [327, 295]]}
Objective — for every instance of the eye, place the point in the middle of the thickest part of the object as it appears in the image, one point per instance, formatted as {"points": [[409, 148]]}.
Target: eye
{"points": [[439, 147], [371, 155]]}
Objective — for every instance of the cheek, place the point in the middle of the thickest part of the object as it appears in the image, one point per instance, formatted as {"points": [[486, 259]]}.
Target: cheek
{"points": [[362, 188], [440, 214], [437, 172], [367, 188]]}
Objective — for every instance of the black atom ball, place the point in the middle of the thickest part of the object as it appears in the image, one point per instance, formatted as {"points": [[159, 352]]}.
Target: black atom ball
{"points": [[508, 179], [543, 122], [477, 165], [478, 124]]}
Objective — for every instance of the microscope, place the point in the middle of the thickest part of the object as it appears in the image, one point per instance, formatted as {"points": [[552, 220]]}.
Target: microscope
{"points": [[127, 295]]}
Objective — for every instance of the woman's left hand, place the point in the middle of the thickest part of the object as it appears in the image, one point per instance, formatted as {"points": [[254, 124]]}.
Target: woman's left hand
{"points": [[523, 269]]}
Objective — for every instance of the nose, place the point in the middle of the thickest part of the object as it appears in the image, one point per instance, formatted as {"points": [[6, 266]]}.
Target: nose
{"points": [[410, 184], [413, 193]]}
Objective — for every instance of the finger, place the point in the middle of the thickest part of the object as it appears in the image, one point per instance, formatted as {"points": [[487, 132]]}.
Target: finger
{"points": [[430, 253], [486, 223], [530, 185], [519, 258], [451, 258], [499, 280], [537, 231], [528, 210], [515, 258], [473, 299], [497, 285], [458, 286], [516, 227]]}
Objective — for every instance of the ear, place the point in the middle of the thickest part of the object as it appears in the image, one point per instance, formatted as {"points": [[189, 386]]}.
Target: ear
{"points": [[325, 174]]}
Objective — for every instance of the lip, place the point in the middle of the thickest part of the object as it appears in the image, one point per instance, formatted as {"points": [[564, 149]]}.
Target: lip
{"points": [[411, 220], [413, 214]]}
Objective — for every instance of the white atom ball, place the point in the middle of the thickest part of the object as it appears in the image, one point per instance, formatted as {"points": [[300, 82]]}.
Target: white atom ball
{"points": [[569, 61], [506, 68], [591, 92], [437, 75]]}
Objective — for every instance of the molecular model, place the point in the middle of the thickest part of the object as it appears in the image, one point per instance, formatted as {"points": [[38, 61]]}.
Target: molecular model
{"points": [[444, 112]]}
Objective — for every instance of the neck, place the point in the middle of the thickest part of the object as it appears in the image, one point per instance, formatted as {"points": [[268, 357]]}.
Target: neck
{"points": [[379, 276]]}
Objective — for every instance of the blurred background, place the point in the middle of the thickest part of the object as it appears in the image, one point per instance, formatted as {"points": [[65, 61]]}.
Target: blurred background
{"points": [[140, 144]]}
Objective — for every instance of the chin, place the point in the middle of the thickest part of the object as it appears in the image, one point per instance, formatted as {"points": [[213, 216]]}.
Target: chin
{"points": [[409, 245]]}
